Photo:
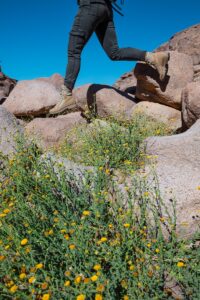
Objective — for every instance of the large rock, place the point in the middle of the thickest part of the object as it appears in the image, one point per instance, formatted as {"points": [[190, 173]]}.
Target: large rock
{"points": [[171, 117], [50, 132], [197, 73], [167, 92], [186, 41], [104, 100], [191, 104], [126, 83], [10, 129], [6, 86], [56, 80], [178, 175], [32, 98]]}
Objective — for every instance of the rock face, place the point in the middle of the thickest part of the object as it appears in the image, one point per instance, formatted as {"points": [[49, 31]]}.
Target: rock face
{"points": [[6, 86], [169, 116], [178, 168], [168, 92], [32, 98], [191, 104], [126, 83], [50, 132], [186, 41], [104, 100], [9, 129]]}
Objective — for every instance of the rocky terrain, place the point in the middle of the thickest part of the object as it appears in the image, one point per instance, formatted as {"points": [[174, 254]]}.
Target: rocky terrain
{"points": [[175, 102]]}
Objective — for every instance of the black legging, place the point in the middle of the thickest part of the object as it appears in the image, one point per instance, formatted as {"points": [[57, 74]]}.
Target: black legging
{"points": [[96, 18]]}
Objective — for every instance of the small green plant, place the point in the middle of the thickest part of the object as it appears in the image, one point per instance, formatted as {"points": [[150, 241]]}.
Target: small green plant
{"points": [[112, 143]]}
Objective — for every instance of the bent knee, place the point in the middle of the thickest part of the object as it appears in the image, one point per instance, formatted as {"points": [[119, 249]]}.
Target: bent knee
{"points": [[114, 54]]}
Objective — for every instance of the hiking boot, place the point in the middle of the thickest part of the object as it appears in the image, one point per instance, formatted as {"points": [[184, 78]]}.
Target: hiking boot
{"points": [[66, 104], [159, 61]]}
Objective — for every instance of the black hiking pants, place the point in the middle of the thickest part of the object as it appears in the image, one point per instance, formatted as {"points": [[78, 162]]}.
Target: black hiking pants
{"points": [[95, 17]]}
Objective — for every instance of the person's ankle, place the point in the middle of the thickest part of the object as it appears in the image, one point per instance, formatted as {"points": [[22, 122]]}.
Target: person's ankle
{"points": [[67, 90]]}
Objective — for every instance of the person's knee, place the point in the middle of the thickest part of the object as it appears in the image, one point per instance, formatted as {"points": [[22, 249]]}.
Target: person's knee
{"points": [[114, 54]]}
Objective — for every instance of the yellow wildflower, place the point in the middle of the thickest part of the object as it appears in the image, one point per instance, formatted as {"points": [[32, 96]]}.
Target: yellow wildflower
{"points": [[146, 194], [126, 297], [86, 213], [14, 288], [104, 239], [86, 280], [81, 297], [24, 242], [72, 247], [78, 279], [39, 266], [127, 162], [107, 171], [6, 211], [2, 215], [10, 283], [180, 264], [2, 257], [97, 267], [32, 279], [98, 297], [22, 276], [94, 278], [46, 297], [127, 225], [66, 236], [157, 250], [67, 283], [131, 268]]}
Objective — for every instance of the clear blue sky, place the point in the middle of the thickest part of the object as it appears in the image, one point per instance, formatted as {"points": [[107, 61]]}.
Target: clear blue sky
{"points": [[34, 35]]}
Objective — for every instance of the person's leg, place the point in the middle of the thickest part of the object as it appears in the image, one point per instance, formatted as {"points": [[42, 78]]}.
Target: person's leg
{"points": [[84, 24], [79, 35], [106, 34]]}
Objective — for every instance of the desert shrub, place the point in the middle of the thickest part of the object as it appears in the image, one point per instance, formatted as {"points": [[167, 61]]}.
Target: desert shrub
{"points": [[61, 240]]}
